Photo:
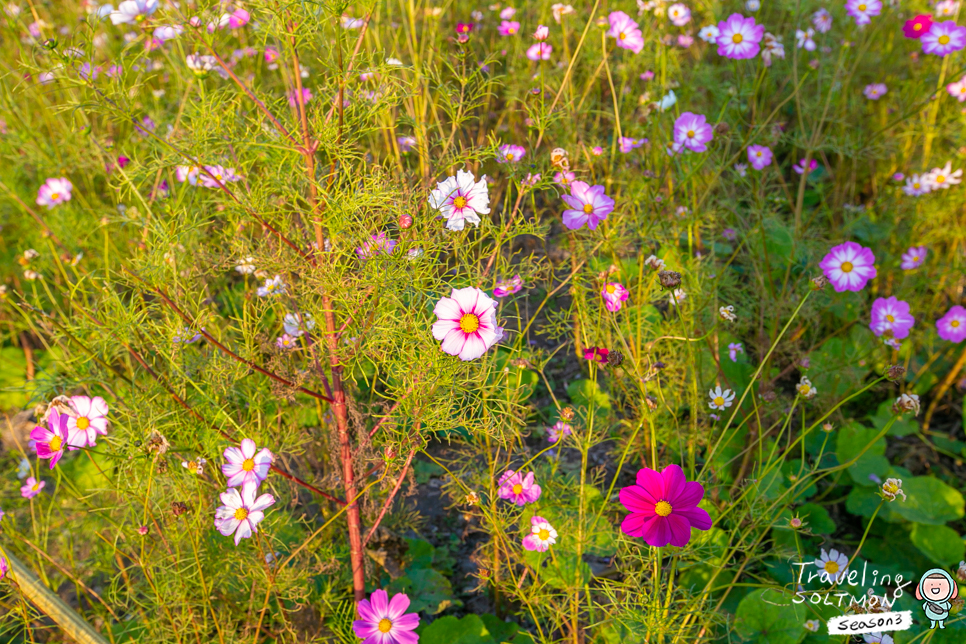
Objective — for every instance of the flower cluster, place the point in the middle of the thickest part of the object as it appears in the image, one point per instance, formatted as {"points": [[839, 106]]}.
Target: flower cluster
{"points": [[241, 512]]}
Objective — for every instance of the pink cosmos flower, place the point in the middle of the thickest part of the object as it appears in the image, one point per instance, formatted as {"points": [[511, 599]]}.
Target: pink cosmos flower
{"points": [[625, 30], [559, 431], [51, 443], [734, 348], [799, 167], [943, 38], [738, 37], [679, 15], [539, 51], [541, 537], [53, 192], [875, 91], [822, 21], [890, 315], [460, 199], [507, 13], [518, 489], [90, 421], [917, 27], [31, 487], [241, 512], [952, 326], [4, 568], [849, 266], [916, 186], [759, 156], [542, 33], [913, 258], [588, 205], [378, 244], [218, 175], [958, 89], [663, 507], [286, 342], [509, 28], [597, 354], [863, 10], [465, 27], [385, 622], [531, 180], [564, 178], [614, 295], [467, 323], [246, 464], [625, 144], [692, 131], [293, 97], [271, 54], [187, 173], [508, 286], [510, 153]]}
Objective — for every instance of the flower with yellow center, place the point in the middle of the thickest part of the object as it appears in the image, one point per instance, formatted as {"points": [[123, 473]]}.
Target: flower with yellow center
{"points": [[459, 202], [662, 508], [385, 625], [943, 40], [846, 267], [737, 39], [469, 323]]}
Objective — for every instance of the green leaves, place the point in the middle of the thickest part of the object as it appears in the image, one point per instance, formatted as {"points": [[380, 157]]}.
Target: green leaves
{"points": [[940, 543], [585, 392], [929, 501], [472, 629], [856, 441], [768, 616]]}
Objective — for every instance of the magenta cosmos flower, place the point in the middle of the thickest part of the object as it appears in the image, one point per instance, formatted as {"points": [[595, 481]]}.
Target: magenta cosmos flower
{"points": [[663, 507], [518, 489], [875, 91], [943, 38], [890, 315], [53, 192], [510, 153], [738, 37], [508, 287], [385, 621], [625, 30], [467, 323], [692, 132], [913, 258], [614, 295], [952, 326], [90, 421], [917, 27], [52, 442], [378, 244], [863, 10], [509, 28], [241, 512], [849, 266], [246, 464], [460, 199], [31, 487], [539, 51], [541, 537], [559, 431], [759, 156], [588, 206]]}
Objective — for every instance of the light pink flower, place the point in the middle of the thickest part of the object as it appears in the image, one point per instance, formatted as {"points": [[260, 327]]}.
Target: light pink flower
{"points": [[952, 326], [91, 420], [588, 206], [738, 37], [692, 131], [614, 295], [510, 153], [875, 91], [849, 266], [242, 512], [559, 431], [518, 489], [626, 31], [734, 348], [541, 537], [957, 89], [31, 487], [53, 192], [467, 323], [679, 14], [539, 51], [385, 621], [822, 20], [913, 258], [542, 33], [509, 28], [217, 174], [460, 199], [286, 342], [863, 10], [246, 464], [759, 156]]}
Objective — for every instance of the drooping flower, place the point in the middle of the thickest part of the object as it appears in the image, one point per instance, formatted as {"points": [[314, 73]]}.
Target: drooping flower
{"points": [[863, 10], [31, 487], [378, 244], [952, 326], [385, 621], [943, 38], [944, 177], [509, 28], [957, 89], [720, 399], [913, 258], [679, 14], [663, 507], [804, 40], [461, 199], [90, 421], [133, 11], [759, 156], [559, 431], [692, 131], [875, 91], [739, 37], [822, 20], [51, 443], [467, 323], [508, 286], [273, 286], [849, 266], [588, 206], [539, 51], [626, 31], [916, 186], [891, 316], [614, 295], [53, 192], [542, 535], [510, 153], [833, 564], [246, 464], [917, 27], [518, 489], [241, 512], [734, 348]]}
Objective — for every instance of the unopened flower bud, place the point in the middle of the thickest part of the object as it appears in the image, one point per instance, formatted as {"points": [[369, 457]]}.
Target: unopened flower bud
{"points": [[567, 413], [827, 427], [50, 44], [142, 530], [721, 128], [405, 221], [795, 523], [669, 279]]}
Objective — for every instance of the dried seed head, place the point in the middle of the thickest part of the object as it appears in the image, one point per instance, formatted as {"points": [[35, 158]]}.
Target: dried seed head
{"points": [[721, 128], [178, 508], [567, 413], [820, 282], [558, 158], [906, 402], [659, 365], [895, 373], [615, 358], [157, 444], [669, 279]]}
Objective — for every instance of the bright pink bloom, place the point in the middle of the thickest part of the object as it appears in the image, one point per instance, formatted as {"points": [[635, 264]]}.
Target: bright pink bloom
{"points": [[541, 537], [241, 512], [918, 26], [467, 323], [597, 354], [378, 244], [943, 38], [385, 621], [464, 27], [663, 507], [952, 326], [863, 10], [238, 18], [51, 443], [271, 54], [692, 131], [53, 192], [510, 153], [518, 489], [759, 156], [891, 317], [849, 266], [738, 37], [625, 30], [539, 51], [31, 487], [246, 464], [913, 258], [799, 167], [559, 431], [614, 295], [293, 97], [875, 91], [508, 287], [91, 420], [509, 28], [3, 567], [588, 206]]}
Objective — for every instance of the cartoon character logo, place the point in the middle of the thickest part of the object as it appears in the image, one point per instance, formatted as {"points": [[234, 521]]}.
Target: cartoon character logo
{"points": [[937, 590]]}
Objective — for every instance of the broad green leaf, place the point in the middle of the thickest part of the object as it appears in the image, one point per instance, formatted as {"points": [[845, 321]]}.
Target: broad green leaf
{"points": [[768, 616], [583, 392], [817, 518], [929, 501], [858, 441], [940, 543], [469, 629], [903, 425]]}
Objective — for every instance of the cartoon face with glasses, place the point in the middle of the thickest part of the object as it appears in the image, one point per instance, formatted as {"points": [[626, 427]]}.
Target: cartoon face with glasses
{"points": [[937, 589]]}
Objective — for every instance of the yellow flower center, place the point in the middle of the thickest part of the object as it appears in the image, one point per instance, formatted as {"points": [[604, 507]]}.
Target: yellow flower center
{"points": [[917, 27], [55, 195], [915, 258], [737, 38], [623, 36], [890, 488], [544, 534], [719, 400], [241, 514], [944, 40], [385, 625], [690, 134], [83, 423], [588, 208], [469, 323], [610, 288], [509, 156], [662, 509], [861, 7], [846, 267], [35, 486], [954, 324], [890, 318], [248, 464], [916, 185], [758, 154], [518, 489], [831, 567], [940, 178], [55, 443], [459, 202]]}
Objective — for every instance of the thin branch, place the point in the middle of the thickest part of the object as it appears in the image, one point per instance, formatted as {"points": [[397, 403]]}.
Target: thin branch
{"points": [[392, 496]]}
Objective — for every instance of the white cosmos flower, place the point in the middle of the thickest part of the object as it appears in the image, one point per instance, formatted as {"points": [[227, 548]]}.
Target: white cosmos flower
{"points": [[461, 199], [295, 325], [834, 563], [132, 11], [943, 177], [241, 512], [720, 399]]}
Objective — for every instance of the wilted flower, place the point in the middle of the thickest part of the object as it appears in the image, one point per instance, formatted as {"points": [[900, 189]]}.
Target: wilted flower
{"points": [[241, 512], [461, 199], [197, 465], [385, 621], [892, 488], [805, 388], [727, 313], [518, 489], [720, 399], [560, 10], [467, 323], [906, 402], [542, 535], [663, 507], [669, 279], [654, 262]]}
